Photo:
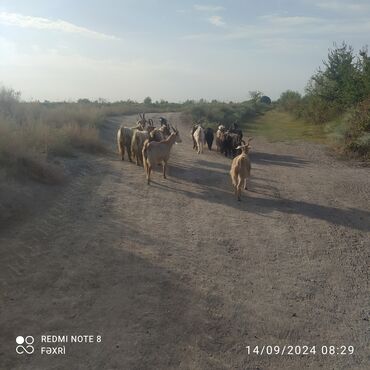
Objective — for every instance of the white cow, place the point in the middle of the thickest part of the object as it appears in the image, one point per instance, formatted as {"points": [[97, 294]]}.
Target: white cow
{"points": [[199, 138]]}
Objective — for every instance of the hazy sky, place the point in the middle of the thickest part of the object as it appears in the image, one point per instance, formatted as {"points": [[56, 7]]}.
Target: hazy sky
{"points": [[175, 50]]}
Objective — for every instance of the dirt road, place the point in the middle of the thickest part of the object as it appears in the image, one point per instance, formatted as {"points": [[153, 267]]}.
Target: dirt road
{"points": [[179, 275]]}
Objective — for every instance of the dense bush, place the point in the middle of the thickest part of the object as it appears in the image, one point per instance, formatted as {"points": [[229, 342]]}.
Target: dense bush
{"points": [[339, 90], [357, 133], [290, 100], [215, 112]]}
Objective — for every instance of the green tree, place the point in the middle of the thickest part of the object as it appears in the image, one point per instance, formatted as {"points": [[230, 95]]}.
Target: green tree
{"points": [[339, 81], [364, 68], [148, 100]]}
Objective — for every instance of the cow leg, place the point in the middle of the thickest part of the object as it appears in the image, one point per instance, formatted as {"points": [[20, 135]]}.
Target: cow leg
{"points": [[164, 169], [148, 173], [121, 149], [235, 188], [129, 153], [245, 184], [239, 187]]}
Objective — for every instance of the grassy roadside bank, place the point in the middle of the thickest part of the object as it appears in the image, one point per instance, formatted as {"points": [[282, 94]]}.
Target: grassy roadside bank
{"points": [[275, 126]]}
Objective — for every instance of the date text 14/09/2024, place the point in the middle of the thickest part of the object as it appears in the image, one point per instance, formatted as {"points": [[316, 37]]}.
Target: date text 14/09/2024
{"points": [[291, 350]]}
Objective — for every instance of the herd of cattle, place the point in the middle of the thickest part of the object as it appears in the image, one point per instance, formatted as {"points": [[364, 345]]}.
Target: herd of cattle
{"points": [[149, 146], [227, 141]]}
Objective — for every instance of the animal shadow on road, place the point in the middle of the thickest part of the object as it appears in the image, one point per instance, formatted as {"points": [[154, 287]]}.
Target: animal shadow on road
{"points": [[109, 280], [277, 159], [215, 187], [217, 165]]}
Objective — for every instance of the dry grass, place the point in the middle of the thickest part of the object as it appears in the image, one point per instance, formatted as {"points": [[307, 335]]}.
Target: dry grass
{"points": [[32, 133], [64, 140], [18, 158]]}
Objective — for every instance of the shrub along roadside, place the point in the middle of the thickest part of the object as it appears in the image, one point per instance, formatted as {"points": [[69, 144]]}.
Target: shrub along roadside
{"points": [[357, 132], [337, 97], [215, 112]]}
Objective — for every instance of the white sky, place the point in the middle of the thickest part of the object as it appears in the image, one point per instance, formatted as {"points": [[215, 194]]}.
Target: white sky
{"points": [[173, 50]]}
